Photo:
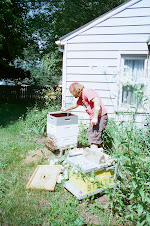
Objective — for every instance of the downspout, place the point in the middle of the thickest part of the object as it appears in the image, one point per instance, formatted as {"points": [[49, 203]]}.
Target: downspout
{"points": [[61, 49], [148, 71]]}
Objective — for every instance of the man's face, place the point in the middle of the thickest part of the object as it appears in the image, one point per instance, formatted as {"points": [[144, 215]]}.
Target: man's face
{"points": [[75, 94]]}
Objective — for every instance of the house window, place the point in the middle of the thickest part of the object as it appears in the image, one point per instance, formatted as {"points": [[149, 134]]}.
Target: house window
{"points": [[132, 80]]}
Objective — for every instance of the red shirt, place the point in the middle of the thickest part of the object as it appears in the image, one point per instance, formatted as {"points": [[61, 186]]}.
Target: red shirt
{"points": [[86, 100]]}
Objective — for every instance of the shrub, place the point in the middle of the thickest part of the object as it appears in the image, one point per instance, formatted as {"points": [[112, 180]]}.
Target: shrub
{"points": [[48, 101], [36, 120], [82, 140], [131, 197], [49, 98], [131, 146]]}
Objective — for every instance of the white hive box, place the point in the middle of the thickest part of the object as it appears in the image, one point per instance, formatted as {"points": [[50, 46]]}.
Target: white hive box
{"points": [[62, 130]]}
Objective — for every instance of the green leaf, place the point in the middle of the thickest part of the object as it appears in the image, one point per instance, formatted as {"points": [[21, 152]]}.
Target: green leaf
{"points": [[148, 218], [140, 209], [141, 193], [134, 184], [140, 223], [79, 221], [131, 196], [147, 199]]}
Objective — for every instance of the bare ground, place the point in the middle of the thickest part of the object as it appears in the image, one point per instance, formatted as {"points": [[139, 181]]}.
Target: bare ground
{"points": [[34, 156]]}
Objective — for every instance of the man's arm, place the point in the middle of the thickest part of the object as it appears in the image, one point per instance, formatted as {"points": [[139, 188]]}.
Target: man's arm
{"points": [[70, 107], [97, 111]]}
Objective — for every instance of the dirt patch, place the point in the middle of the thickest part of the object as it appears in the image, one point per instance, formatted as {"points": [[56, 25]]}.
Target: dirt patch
{"points": [[88, 216], [91, 217], [103, 201], [37, 154], [51, 143], [40, 140]]}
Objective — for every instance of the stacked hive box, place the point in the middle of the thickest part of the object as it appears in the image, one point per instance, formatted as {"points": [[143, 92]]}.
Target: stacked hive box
{"points": [[62, 130], [91, 178]]}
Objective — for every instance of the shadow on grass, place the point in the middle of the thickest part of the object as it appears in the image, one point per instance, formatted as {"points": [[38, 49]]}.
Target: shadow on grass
{"points": [[9, 113]]}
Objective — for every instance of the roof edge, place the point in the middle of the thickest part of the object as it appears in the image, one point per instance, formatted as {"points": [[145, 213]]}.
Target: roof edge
{"points": [[63, 39]]}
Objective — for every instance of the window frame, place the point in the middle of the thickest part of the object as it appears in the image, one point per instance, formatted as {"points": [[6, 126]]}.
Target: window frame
{"points": [[127, 107]]}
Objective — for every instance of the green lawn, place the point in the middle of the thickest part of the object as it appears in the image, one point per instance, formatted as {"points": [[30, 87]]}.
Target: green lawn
{"points": [[20, 206]]}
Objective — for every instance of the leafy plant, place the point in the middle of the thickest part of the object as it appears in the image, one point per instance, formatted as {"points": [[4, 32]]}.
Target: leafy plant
{"points": [[49, 98], [49, 72], [82, 139], [48, 101], [131, 197]]}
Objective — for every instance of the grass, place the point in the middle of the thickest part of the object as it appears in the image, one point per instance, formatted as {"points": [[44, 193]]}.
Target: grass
{"points": [[24, 135], [20, 206]]}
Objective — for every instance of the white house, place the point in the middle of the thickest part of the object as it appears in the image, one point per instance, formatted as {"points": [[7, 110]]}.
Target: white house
{"points": [[110, 54]]}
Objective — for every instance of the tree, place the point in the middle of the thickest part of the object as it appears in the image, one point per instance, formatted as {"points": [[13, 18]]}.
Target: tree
{"points": [[49, 72], [19, 34], [29, 30], [12, 33], [72, 14]]}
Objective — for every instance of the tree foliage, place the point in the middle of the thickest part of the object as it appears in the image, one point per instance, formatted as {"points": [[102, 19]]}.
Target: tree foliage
{"points": [[20, 34], [12, 32], [49, 72], [29, 30], [72, 14]]}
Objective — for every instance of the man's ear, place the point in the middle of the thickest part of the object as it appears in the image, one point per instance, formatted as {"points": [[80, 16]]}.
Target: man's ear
{"points": [[79, 90]]}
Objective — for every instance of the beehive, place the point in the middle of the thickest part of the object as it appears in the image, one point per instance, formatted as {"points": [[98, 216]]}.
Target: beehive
{"points": [[62, 130], [82, 183]]}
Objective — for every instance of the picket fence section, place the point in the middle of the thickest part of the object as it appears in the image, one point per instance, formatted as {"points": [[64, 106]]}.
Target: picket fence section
{"points": [[19, 93]]}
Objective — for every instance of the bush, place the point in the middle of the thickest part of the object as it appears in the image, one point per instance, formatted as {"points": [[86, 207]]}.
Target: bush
{"points": [[82, 140], [131, 197], [131, 146], [48, 101], [49, 98]]}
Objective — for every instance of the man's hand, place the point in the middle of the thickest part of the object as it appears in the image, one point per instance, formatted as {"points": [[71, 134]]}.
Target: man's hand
{"points": [[63, 110], [70, 108], [94, 121]]}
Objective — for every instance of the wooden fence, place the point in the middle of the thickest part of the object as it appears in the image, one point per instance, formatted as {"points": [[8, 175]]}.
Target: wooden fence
{"points": [[19, 93]]}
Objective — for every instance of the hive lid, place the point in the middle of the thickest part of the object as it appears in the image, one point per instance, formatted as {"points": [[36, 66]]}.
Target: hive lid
{"points": [[61, 118], [84, 164], [44, 177]]}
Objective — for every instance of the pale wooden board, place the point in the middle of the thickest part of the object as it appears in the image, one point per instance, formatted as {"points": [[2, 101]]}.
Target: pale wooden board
{"points": [[80, 194], [44, 177]]}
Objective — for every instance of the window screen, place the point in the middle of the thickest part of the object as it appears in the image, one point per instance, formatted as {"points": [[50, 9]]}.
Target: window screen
{"points": [[133, 91]]}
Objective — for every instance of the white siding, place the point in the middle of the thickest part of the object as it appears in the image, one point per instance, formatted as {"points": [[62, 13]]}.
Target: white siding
{"points": [[99, 70], [108, 46], [124, 29], [95, 78], [125, 21], [93, 56], [144, 3], [141, 119], [114, 38], [133, 12]]}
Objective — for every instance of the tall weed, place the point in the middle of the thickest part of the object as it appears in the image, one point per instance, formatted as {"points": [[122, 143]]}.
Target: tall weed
{"points": [[131, 196]]}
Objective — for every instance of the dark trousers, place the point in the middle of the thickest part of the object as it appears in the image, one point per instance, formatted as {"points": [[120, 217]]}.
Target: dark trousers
{"points": [[94, 133]]}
